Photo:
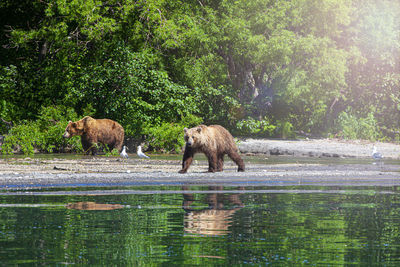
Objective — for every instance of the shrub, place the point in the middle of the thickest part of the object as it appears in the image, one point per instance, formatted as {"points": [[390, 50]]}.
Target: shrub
{"points": [[353, 127], [256, 127], [44, 134], [284, 129], [168, 137], [22, 137]]}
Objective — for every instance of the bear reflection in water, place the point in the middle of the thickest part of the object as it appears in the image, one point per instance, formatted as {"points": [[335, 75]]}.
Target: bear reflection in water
{"points": [[88, 205], [214, 220]]}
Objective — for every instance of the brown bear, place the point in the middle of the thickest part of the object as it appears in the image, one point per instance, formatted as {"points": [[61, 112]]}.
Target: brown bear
{"points": [[214, 141], [92, 131]]}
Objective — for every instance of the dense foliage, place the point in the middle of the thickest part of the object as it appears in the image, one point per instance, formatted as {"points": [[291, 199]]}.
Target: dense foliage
{"points": [[43, 134], [261, 67]]}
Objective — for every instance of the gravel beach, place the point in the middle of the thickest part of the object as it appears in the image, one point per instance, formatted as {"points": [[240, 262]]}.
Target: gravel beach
{"points": [[330, 162]]}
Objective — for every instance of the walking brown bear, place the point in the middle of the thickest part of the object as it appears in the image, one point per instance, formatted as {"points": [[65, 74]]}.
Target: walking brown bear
{"points": [[92, 131], [214, 141]]}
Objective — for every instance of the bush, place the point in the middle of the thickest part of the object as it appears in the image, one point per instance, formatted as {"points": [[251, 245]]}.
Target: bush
{"points": [[284, 129], [265, 128], [168, 137], [22, 137], [44, 134], [353, 127], [256, 127]]}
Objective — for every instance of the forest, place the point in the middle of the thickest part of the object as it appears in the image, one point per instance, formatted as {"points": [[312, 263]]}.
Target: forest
{"points": [[262, 68]]}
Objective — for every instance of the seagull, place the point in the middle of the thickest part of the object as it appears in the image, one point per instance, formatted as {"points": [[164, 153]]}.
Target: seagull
{"points": [[375, 154], [140, 153], [123, 153]]}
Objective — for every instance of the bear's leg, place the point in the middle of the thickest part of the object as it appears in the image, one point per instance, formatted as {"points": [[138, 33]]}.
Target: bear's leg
{"points": [[114, 143], [237, 159], [212, 162], [118, 145], [94, 149], [119, 139], [89, 145], [187, 159], [93, 146], [85, 146], [119, 142], [220, 163], [109, 147]]}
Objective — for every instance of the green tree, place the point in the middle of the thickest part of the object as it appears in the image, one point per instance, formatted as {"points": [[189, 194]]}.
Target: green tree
{"points": [[374, 47], [128, 87], [298, 63]]}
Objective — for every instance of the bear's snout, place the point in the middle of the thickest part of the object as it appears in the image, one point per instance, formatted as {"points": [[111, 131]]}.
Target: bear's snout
{"points": [[189, 143], [66, 134]]}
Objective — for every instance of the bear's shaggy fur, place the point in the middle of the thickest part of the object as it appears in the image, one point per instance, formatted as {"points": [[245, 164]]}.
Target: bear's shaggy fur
{"points": [[93, 131], [214, 141]]}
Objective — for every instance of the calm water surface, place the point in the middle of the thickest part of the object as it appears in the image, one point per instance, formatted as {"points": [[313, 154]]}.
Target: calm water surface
{"points": [[201, 226]]}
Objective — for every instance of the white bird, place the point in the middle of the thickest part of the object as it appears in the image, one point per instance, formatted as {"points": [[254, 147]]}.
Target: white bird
{"points": [[123, 153], [375, 154], [140, 153]]}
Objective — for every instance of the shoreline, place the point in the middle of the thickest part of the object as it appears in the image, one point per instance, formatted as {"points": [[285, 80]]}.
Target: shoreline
{"points": [[33, 174], [308, 162]]}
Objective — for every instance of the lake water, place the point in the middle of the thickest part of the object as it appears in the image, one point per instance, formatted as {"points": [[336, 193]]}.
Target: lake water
{"points": [[131, 226]]}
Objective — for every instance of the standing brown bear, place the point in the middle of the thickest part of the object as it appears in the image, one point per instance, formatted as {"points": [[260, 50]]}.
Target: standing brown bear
{"points": [[92, 131], [214, 141]]}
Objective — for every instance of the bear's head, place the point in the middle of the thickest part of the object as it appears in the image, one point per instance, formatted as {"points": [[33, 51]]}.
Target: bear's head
{"points": [[73, 128], [195, 136]]}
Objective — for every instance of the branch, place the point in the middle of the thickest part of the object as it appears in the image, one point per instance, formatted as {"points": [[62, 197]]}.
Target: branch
{"points": [[8, 123]]}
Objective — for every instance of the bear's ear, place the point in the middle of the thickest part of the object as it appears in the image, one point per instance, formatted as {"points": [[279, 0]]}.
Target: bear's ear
{"points": [[185, 129], [77, 125], [199, 129]]}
